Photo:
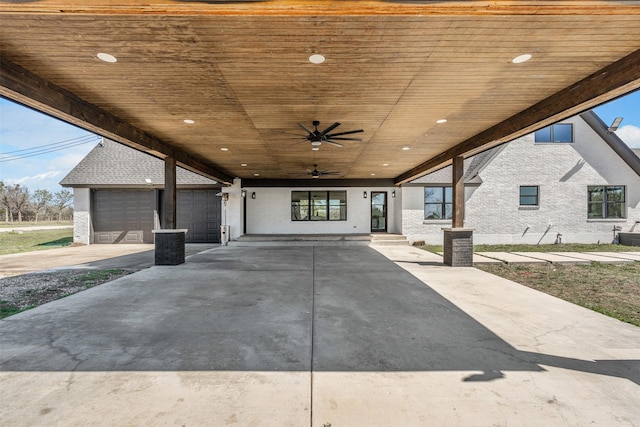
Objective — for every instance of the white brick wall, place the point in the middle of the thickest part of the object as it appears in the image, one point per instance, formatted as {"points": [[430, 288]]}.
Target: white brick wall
{"points": [[562, 171], [81, 215], [270, 212]]}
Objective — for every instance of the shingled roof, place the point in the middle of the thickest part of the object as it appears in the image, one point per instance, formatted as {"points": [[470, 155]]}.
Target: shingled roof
{"points": [[114, 165], [472, 167]]}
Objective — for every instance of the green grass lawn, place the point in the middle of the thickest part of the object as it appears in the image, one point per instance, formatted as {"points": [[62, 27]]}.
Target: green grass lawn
{"points": [[36, 240], [33, 224]]}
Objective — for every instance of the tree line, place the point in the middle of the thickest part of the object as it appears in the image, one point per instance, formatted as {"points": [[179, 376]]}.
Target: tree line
{"points": [[18, 204]]}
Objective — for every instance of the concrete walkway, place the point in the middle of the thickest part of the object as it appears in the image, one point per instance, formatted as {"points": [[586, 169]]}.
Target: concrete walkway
{"points": [[307, 336], [128, 257]]}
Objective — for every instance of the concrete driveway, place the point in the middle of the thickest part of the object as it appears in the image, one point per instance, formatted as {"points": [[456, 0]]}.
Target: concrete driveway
{"points": [[299, 336]]}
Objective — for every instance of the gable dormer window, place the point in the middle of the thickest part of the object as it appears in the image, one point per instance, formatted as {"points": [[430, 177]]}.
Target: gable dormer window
{"points": [[557, 133]]}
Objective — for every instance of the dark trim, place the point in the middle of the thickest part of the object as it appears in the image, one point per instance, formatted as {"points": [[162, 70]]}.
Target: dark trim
{"points": [[384, 212], [616, 144], [552, 134], [143, 186], [328, 183]]}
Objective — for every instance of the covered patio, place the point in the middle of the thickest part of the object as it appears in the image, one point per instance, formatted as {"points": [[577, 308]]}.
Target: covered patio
{"points": [[230, 89]]}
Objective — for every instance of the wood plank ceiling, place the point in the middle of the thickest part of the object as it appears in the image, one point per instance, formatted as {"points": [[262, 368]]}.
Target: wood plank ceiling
{"points": [[241, 72]]}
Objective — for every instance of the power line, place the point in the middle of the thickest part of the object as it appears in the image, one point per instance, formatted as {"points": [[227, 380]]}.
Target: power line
{"points": [[53, 143], [42, 151]]}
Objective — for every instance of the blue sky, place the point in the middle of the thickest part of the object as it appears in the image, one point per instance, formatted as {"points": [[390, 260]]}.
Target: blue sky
{"points": [[43, 149]]}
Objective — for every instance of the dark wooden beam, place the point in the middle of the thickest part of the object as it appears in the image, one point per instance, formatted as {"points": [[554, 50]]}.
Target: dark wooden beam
{"points": [[322, 182], [612, 81], [457, 171], [170, 195], [28, 89]]}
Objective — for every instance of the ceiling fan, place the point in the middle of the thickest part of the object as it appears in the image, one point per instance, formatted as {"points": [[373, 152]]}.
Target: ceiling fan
{"points": [[315, 173], [317, 137]]}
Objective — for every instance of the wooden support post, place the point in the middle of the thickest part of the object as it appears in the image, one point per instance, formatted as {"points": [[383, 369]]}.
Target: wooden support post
{"points": [[458, 192], [458, 241], [169, 203]]}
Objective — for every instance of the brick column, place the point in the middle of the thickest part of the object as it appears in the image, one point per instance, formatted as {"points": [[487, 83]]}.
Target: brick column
{"points": [[169, 247], [458, 247]]}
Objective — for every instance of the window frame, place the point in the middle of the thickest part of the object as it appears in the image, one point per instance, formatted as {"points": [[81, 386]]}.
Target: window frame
{"points": [[322, 207], [443, 204], [605, 203], [552, 134], [537, 196]]}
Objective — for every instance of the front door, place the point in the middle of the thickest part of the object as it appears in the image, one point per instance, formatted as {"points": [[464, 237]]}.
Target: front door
{"points": [[378, 211]]}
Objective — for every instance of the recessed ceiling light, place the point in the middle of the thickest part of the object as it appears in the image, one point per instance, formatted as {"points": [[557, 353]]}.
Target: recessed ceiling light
{"points": [[244, 165], [256, 174], [522, 58], [189, 121], [385, 164], [315, 148], [107, 58], [316, 58], [224, 149], [406, 148], [441, 121]]}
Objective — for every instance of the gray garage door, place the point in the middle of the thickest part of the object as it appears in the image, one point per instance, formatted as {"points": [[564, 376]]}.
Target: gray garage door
{"points": [[199, 212], [123, 216]]}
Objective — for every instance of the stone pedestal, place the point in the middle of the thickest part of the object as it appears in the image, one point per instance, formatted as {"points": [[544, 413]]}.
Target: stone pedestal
{"points": [[458, 247], [169, 246]]}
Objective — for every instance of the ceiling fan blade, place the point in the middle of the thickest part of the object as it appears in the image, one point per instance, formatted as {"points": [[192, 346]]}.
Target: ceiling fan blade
{"points": [[330, 173], [344, 133], [330, 128], [344, 139], [305, 128], [334, 143]]}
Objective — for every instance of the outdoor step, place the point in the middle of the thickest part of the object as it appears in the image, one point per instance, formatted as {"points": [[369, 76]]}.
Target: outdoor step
{"points": [[301, 239], [389, 239]]}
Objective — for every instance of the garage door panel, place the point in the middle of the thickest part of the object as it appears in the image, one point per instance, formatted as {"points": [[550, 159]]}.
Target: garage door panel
{"points": [[199, 212], [123, 216]]}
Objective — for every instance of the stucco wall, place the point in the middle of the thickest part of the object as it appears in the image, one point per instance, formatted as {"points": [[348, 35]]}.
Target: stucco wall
{"points": [[270, 212], [562, 171], [81, 215]]}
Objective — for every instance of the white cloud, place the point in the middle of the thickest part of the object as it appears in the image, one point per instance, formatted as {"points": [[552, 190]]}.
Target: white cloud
{"points": [[27, 180], [630, 135]]}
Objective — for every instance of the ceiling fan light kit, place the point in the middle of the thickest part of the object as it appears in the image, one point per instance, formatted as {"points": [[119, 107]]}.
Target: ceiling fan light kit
{"points": [[317, 137], [315, 173]]}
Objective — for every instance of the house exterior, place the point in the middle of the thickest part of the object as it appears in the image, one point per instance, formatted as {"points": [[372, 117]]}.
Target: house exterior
{"points": [[579, 189], [118, 195], [569, 182]]}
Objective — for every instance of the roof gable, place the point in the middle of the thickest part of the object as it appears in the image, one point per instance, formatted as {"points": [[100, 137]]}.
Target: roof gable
{"points": [[114, 164]]}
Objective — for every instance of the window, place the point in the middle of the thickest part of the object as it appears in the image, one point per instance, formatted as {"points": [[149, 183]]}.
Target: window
{"points": [[529, 195], [560, 132], [606, 201], [438, 202], [318, 206]]}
